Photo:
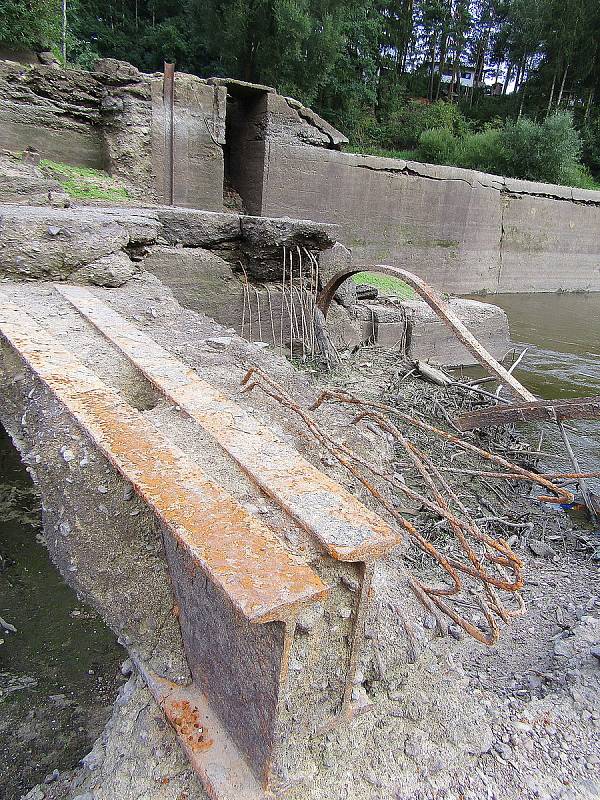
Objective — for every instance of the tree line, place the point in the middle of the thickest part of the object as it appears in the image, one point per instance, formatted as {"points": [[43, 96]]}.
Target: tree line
{"points": [[363, 64]]}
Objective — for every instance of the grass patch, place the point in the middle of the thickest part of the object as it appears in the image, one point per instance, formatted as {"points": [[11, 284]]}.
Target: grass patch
{"points": [[85, 183], [586, 181], [386, 284]]}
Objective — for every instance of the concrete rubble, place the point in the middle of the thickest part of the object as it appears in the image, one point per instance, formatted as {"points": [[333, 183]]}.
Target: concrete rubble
{"points": [[281, 638]]}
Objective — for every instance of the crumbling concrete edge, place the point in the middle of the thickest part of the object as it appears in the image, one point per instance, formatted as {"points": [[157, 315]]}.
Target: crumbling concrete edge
{"points": [[512, 187]]}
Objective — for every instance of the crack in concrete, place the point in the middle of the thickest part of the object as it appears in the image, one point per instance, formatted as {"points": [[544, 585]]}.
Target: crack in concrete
{"points": [[501, 244], [516, 194], [410, 172], [502, 189]]}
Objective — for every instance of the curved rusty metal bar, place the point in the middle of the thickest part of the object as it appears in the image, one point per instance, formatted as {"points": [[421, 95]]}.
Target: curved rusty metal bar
{"points": [[444, 312]]}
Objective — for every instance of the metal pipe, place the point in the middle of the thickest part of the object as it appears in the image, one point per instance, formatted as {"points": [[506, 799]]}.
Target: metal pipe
{"points": [[169, 108]]}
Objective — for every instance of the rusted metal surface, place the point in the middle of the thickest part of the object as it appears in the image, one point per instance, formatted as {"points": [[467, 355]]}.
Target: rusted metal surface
{"points": [[470, 342], [483, 558], [240, 666], [344, 527], [351, 705], [443, 311], [233, 549], [169, 107], [210, 750], [538, 411], [557, 492]]}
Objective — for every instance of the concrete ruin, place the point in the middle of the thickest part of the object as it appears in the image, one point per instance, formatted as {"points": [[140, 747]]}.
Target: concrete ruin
{"points": [[263, 598], [229, 267], [240, 576], [462, 231], [270, 560]]}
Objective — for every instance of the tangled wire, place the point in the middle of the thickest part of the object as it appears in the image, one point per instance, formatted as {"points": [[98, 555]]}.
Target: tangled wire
{"points": [[488, 560]]}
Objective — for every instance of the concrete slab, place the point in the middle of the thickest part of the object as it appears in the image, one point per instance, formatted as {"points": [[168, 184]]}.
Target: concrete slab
{"points": [[235, 550]]}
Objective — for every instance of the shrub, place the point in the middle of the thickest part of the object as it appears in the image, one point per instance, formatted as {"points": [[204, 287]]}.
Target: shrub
{"points": [[365, 131], [591, 145], [549, 151], [481, 151], [445, 115], [438, 146], [404, 127]]}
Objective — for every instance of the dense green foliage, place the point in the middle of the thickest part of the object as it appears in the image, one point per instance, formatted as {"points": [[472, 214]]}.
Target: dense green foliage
{"points": [[546, 151], [373, 67], [30, 23]]}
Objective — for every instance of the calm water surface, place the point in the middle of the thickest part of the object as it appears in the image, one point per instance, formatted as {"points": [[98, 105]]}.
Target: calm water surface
{"points": [[59, 671], [562, 335]]}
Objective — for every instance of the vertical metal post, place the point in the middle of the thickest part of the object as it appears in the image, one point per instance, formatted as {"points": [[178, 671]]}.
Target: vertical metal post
{"points": [[168, 103]]}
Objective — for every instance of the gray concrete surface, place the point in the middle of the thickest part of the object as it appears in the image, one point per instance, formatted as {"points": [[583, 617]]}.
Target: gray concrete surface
{"points": [[460, 230]]}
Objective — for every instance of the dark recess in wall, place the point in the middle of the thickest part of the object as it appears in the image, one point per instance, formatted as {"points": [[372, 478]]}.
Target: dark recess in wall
{"points": [[244, 150]]}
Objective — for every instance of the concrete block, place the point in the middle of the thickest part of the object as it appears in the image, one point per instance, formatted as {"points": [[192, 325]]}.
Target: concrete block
{"points": [[430, 339], [535, 188], [549, 245], [199, 279], [333, 260], [461, 231], [586, 196], [194, 228], [39, 243], [199, 124]]}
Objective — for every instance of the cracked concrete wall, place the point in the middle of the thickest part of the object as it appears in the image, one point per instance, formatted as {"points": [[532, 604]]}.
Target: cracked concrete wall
{"points": [[258, 117], [114, 119], [198, 138], [461, 230]]}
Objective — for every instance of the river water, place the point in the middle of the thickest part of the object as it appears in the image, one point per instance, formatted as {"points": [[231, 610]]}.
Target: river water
{"points": [[59, 663], [562, 335]]}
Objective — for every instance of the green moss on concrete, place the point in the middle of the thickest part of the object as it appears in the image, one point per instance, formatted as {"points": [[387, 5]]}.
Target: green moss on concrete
{"points": [[417, 237], [525, 240], [85, 183]]}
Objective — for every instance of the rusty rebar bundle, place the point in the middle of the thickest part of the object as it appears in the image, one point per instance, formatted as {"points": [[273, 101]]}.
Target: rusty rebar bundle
{"points": [[487, 560], [296, 295]]}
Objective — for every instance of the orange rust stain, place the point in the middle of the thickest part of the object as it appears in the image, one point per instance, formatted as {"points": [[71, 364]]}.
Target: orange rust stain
{"points": [[219, 533], [185, 718], [278, 469], [236, 549]]}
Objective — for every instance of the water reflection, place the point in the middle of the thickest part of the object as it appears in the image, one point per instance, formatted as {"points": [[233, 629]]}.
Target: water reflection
{"points": [[562, 336]]}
